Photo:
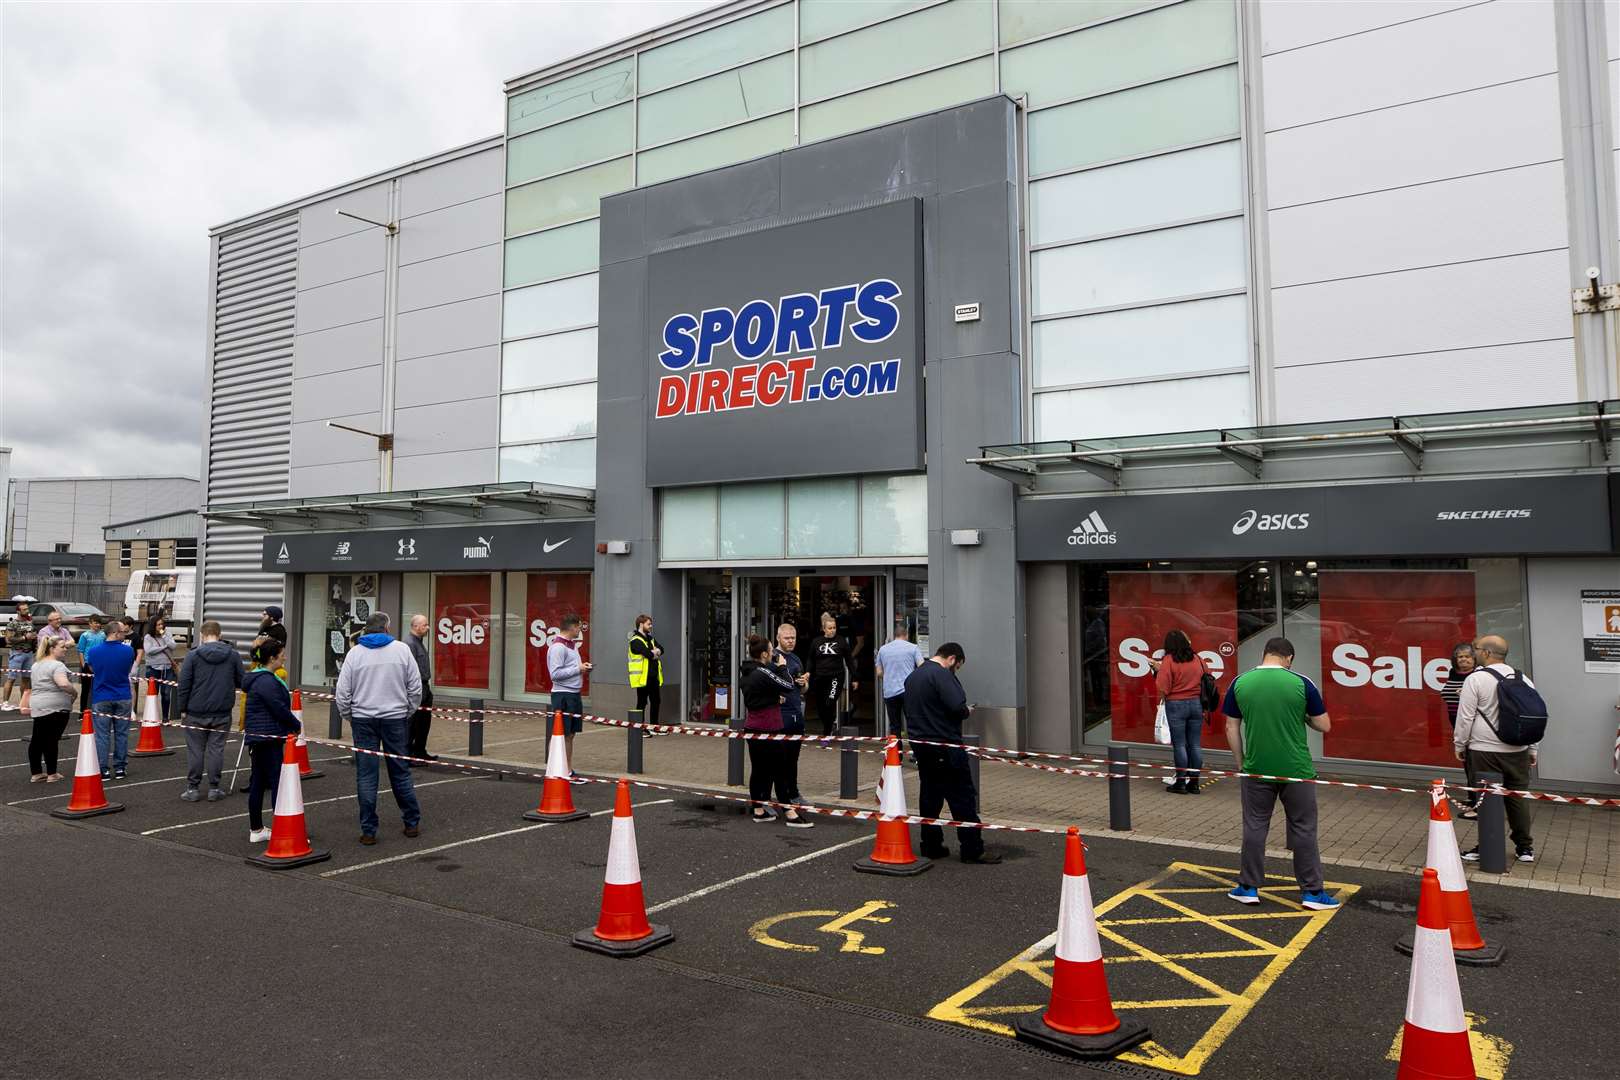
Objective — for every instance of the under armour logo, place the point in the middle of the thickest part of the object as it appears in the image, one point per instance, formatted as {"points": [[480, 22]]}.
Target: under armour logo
{"points": [[407, 546]]}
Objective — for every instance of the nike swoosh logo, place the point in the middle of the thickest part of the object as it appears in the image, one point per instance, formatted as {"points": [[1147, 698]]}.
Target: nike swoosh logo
{"points": [[548, 547]]}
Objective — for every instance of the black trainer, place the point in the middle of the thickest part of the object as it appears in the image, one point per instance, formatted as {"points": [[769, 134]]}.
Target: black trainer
{"points": [[1525, 854], [984, 858]]}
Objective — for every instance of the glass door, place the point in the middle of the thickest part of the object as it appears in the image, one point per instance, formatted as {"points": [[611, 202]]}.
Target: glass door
{"points": [[711, 663]]}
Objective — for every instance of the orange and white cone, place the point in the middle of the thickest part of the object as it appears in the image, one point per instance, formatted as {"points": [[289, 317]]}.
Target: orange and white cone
{"points": [[1434, 1042], [622, 928], [151, 741], [289, 839], [89, 797], [301, 745], [1444, 858], [1079, 1019], [891, 853], [556, 794]]}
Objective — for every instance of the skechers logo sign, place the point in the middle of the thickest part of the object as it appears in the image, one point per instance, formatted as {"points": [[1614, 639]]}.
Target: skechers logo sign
{"points": [[1092, 531], [1482, 515], [1253, 519], [785, 330]]}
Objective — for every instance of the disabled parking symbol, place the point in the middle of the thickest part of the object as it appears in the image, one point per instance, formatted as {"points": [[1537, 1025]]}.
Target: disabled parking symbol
{"points": [[838, 923]]}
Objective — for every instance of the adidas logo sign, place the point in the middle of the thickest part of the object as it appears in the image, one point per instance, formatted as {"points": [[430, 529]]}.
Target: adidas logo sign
{"points": [[1092, 531]]}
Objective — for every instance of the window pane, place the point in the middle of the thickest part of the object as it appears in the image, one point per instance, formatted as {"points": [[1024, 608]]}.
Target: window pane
{"points": [[688, 524], [821, 18], [552, 104], [1134, 50], [823, 517], [571, 249], [1143, 342], [751, 521], [557, 305], [1136, 194], [1024, 19], [558, 413], [535, 607], [1144, 408], [894, 515], [908, 97], [567, 464], [716, 149], [606, 134], [470, 603], [560, 358], [1190, 109], [1148, 266], [715, 50], [729, 98], [952, 31], [567, 197]]}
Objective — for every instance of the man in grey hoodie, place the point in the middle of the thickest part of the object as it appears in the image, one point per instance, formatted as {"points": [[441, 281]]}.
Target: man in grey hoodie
{"points": [[209, 679], [378, 689]]}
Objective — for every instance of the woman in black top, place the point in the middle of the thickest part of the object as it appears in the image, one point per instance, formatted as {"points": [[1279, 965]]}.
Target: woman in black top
{"points": [[829, 672], [267, 720], [764, 685], [1463, 664]]}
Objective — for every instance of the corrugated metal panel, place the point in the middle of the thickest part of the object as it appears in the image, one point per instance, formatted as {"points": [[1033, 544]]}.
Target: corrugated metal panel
{"points": [[249, 412]]}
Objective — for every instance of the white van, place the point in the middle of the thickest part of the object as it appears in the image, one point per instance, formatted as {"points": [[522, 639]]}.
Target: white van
{"points": [[173, 592]]}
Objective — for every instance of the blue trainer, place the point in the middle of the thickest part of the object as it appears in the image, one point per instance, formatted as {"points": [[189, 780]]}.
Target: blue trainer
{"points": [[1245, 895], [1319, 901]]}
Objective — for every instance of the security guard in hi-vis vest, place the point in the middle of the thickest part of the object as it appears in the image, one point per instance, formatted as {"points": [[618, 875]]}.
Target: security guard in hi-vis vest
{"points": [[646, 663]]}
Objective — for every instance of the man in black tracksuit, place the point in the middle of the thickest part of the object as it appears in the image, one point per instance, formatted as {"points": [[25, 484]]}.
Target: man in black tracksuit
{"points": [[422, 718], [209, 679], [935, 709]]}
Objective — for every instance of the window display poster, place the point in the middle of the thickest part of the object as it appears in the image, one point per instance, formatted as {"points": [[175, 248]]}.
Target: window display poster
{"points": [[549, 598], [461, 631], [1600, 630], [1142, 608], [1387, 637]]}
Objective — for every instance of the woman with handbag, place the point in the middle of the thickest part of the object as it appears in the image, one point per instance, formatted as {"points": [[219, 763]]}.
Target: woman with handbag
{"points": [[764, 685], [1178, 684]]}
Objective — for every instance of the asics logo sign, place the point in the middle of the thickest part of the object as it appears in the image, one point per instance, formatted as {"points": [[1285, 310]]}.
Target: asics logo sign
{"points": [[1092, 531], [1254, 519]]}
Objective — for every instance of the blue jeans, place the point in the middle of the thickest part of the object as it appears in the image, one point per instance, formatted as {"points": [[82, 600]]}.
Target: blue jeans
{"points": [[1186, 736], [393, 732], [110, 719], [165, 691]]}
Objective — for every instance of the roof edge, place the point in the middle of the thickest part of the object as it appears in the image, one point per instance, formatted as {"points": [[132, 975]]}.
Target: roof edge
{"points": [[150, 517]]}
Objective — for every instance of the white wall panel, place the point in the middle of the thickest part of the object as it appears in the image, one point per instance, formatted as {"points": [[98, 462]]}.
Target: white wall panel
{"points": [[345, 257], [453, 376], [450, 183], [455, 228], [462, 276], [1288, 24], [340, 478], [313, 443], [454, 469], [320, 221], [454, 425], [338, 349], [340, 303], [340, 392], [449, 328]]}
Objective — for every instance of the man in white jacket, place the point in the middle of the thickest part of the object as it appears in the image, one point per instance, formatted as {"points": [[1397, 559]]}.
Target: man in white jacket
{"points": [[378, 689], [1475, 741]]}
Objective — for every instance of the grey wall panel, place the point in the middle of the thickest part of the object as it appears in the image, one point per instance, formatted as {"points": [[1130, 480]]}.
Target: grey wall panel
{"points": [[449, 328], [320, 222], [979, 219], [352, 345], [619, 341], [340, 303], [889, 162], [451, 182], [346, 257], [340, 393], [471, 373], [341, 478], [1289, 24], [455, 469], [620, 235], [453, 425], [314, 443], [462, 276], [455, 228], [1582, 703], [719, 199]]}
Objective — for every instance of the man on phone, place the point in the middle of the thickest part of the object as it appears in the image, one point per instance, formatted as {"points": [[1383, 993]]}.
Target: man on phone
{"points": [[567, 669], [935, 708]]}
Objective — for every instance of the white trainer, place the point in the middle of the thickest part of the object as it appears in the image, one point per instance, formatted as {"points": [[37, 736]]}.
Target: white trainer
{"points": [[258, 836]]}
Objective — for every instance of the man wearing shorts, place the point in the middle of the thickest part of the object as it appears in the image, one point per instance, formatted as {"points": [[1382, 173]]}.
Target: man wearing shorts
{"points": [[21, 638], [567, 669]]}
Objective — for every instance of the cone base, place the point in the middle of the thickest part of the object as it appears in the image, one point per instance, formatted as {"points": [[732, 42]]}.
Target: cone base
{"points": [[313, 774], [268, 863], [1491, 955], [535, 815], [1032, 1028], [587, 939], [165, 752], [74, 815], [870, 866]]}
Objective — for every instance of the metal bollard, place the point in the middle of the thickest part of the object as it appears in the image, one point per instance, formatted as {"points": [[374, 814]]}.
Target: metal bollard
{"points": [[475, 728], [849, 772], [1492, 827], [632, 749], [734, 754], [1119, 788]]}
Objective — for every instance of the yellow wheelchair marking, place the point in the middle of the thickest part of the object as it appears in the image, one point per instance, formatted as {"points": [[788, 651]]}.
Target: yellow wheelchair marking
{"points": [[853, 939], [1164, 892], [1491, 1052]]}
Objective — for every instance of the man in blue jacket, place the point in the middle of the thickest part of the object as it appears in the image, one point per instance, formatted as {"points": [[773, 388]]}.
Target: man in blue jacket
{"points": [[111, 700], [935, 707]]}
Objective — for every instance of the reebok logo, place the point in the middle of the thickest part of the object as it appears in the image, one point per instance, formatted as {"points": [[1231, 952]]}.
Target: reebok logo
{"points": [[1092, 531], [283, 555]]}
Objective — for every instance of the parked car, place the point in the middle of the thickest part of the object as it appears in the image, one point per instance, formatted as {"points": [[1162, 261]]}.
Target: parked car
{"points": [[76, 617]]}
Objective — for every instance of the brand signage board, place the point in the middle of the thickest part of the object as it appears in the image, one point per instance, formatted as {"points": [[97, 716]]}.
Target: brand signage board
{"points": [[1512, 516], [550, 545], [790, 351]]}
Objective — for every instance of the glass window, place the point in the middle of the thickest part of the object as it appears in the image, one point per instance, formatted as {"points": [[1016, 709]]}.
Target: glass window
{"points": [[932, 37], [729, 98], [724, 46], [557, 305], [1144, 408], [1025, 19], [1149, 46], [535, 606], [417, 596], [559, 413], [823, 517], [542, 361], [1177, 112], [908, 97], [823, 18], [558, 101], [567, 197], [894, 515], [466, 611], [688, 523], [715, 149], [606, 134], [569, 249], [126, 554], [566, 464], [336, 607], [751, 521], [1143, 342], [185, 553], [1147, 266], [1136, 194]]}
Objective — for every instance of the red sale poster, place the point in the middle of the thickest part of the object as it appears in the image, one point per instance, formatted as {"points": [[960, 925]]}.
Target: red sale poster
{"points": [[461, 632], [550, 597], [1387, 637], [1142, 608]]}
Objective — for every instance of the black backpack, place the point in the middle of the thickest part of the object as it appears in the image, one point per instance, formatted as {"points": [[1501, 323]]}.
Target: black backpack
{"points": [[1521, 713], [1209, 694]]}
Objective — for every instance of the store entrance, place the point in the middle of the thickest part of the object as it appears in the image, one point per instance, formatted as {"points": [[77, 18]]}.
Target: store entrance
{"points": [[857, 603]]}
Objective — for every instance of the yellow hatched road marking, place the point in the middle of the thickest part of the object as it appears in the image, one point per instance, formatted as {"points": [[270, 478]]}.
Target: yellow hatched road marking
{"points": [[1491, 1052]]}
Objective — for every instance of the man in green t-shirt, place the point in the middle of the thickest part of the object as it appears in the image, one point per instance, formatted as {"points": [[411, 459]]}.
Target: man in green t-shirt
{"points": [[1267, 711]]}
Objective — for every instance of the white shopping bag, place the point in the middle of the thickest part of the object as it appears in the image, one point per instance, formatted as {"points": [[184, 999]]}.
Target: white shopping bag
{"points": [[1161, 726]]}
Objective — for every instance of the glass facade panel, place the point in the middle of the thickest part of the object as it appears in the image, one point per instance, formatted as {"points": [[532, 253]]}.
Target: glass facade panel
{"points": [[1101, 412], [559, 413], [730, 98], [558, 101], [823, 18], [466, 612], [823, 517], [556, 305], [908, 97], [605, 134], [688, 523], [1147, 266], [1143, 342], [751, 524], [1149, 46], [571, 249], [567, 197], [894, 515], [724, 46], [1025, 19], [715, 149], [932, 37], [1177, 112], [570, 464], [542, 361], [535, 607], [1138, 194]]}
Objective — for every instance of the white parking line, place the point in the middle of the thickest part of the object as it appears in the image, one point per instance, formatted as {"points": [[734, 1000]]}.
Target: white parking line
{"points": [[308, 802], [471, 840], [115, 786], [752, 874]]}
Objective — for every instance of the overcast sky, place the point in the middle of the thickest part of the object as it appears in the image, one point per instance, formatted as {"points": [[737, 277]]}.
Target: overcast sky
{"points": [[130, 129]]}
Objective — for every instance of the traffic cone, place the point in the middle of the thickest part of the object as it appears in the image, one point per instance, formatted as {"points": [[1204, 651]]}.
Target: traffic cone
{"points": [[622, 929], [151, 741], [89, 798], [302, 746], [289, 839], [1442, 856], [1434, 1042], [557, 794], [891, 853], [1079, 1019]]}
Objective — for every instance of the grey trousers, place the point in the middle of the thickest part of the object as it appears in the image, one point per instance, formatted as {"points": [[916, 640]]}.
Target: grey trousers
{"points": [[1299, 804], [1515, 770], [205, 750]]}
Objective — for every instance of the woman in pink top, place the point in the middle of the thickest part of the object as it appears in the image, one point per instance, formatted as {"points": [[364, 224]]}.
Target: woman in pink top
{"points": [[1177, 682]]}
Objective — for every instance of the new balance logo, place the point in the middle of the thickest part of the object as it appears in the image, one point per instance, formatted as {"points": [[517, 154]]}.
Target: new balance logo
{"points": [[1092, 531]]}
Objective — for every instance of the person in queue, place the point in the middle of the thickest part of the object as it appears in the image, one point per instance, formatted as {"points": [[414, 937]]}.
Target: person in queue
{"points": [[270, 626], [157, 651], [1463, 664], [830, 667], [765, 684], [1177, 681], [936, 706], [567, 669], [53, 628], [267, 720], [896, 660], [52, 705], [378, 688], [209, 679], [1478, 744], [645, 662], [111, 702], [422, 718], [21, 639], [787, 637], [88, 640]]}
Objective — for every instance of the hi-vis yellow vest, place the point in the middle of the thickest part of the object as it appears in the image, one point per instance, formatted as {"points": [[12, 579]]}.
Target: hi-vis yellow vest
{"points": [[638, 667]]}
